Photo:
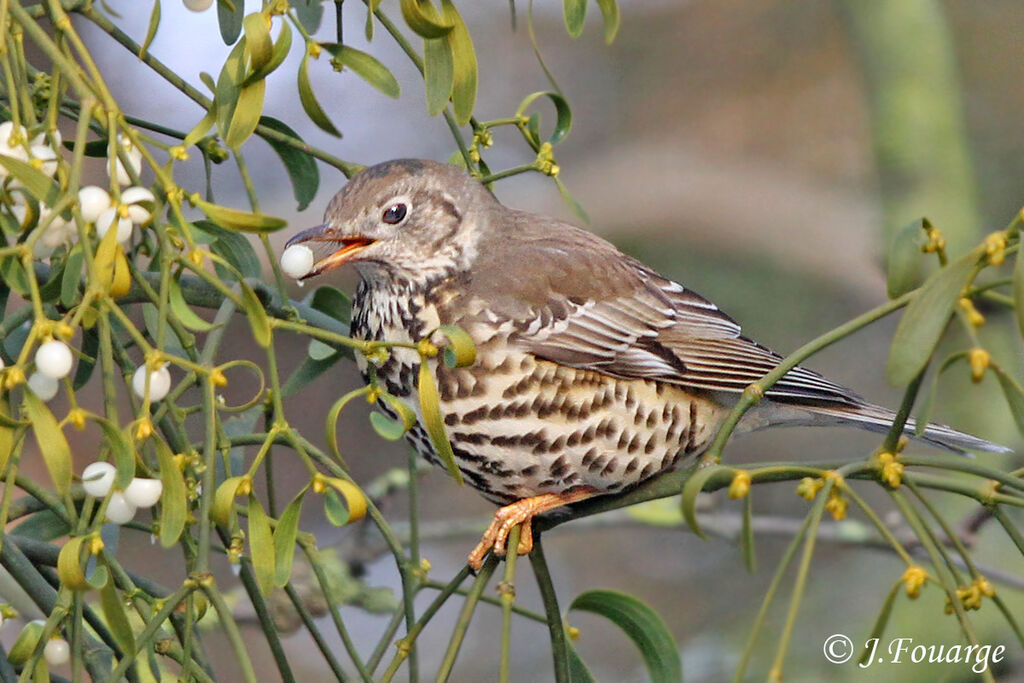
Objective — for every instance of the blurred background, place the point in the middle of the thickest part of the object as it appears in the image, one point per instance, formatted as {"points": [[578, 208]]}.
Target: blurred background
{"points": [[758, 151]]}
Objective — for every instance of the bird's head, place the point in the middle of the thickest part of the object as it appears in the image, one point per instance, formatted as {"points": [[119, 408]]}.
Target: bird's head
{"points": [[406, 218]]}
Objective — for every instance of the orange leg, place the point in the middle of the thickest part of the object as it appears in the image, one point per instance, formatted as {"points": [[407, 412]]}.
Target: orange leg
{"points": [[521, 512]]}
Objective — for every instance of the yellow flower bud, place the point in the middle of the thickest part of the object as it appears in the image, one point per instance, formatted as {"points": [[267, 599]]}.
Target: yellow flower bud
{"points": [[974, 316], [837, 504], [244, 487], [985, 587], [64, 330], [740, 485], [573, 633], [979, 360], [995, 248], [96, 545], [914, 578], [809, 487], [143, 430], [890, 469], [77, 418], [13, 377], [318, 485], [196, 257], [178, 152], [217, 378]]}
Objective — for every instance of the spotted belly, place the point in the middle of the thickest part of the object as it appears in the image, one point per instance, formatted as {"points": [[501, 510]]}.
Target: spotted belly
{"points": [[529, 426], [521, 426]]}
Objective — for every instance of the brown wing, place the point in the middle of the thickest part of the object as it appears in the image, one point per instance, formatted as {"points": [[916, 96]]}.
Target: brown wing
{"points": [[576, 300]]}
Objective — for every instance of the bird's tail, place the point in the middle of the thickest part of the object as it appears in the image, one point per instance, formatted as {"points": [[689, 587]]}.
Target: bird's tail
{"points": [[865, 416]]}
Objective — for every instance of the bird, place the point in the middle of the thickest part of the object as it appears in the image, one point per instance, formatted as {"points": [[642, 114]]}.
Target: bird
{"points": [[593, 373]]}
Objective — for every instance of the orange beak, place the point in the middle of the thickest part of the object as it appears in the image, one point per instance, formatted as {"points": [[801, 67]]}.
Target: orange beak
{"points": [[329, 249]]}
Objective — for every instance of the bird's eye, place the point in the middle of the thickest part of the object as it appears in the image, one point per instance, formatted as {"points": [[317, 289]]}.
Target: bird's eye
{"points": [[394, 214]]}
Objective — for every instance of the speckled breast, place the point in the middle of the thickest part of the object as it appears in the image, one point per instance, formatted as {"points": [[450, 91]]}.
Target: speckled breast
{"points": [[522, 426]]}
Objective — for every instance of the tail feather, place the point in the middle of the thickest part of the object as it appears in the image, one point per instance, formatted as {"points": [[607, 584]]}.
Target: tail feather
{"points": [[878, 419]]}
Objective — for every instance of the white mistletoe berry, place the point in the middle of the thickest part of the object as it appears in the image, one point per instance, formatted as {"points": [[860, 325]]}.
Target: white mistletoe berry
{"points": [[143, 493], [97, 478], [297, 260], [198, 5], [93, 201], [57, 652], [54, 359], [108, 218], [119, 510], [159, 382], [134, 159], [43, 386], [132, 197]]}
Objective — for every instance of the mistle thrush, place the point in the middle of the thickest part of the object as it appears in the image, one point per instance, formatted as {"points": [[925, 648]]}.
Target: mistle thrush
{"points": [[593, 373]]}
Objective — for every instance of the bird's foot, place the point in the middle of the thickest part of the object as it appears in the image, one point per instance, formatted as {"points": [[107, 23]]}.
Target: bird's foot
{"points": [[522, 513]]}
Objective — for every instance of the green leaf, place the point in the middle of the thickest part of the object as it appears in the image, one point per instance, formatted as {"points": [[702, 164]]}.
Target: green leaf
{"points": [[72, 276], [13, 274], [320, 351], [41, 186], [354, 500], [926, 316], [116, 617], [423, 18], [332, 302], [643, 626], [87, 361], [245, 114], [430, 408], [223, 509], [578, 671], [335, 510], [25, 644], [174, 499], [50, 290], [923, 416], [576, 207], [610, 14], [185, 315], [309, 12], [52, 444], [460, 351], [70, 565], [120, 450], [563, 115], [257, 315], [233, 219], [284, 540], [691, 489], [575, 13], [307, 372], [464, 65], [1018, 290], [44, 525], [438, 73], [154, 24], [905, 258], [95, 149], [386, 428], [309, 102], [261, 546], [301, 167], [230, 19], [233, 247], [366, 66], [1014, 395], [259, 48]]}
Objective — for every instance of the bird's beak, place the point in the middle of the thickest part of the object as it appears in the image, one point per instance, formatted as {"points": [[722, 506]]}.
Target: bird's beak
{"points": [[330, 250]]}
